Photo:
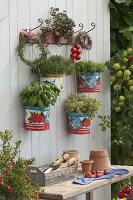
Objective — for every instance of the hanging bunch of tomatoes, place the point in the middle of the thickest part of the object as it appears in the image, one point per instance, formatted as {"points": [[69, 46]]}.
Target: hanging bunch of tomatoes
{"points": [[125, 193], [75, 53]]}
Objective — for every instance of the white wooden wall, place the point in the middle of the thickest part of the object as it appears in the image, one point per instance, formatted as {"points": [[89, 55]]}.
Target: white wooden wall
{"points": [[46, 146]]}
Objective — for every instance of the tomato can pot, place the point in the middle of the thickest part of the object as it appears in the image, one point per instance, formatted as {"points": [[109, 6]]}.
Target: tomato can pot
{"points": [[78, 123], [37, 118], [88, 83]]}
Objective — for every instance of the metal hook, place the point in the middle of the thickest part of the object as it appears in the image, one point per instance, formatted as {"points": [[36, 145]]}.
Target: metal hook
{"points": [[40, 21], [93, 25], [80, 25]]}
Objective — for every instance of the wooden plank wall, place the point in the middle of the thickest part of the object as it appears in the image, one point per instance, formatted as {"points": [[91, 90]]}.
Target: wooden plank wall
{"points": [[46, 146]]}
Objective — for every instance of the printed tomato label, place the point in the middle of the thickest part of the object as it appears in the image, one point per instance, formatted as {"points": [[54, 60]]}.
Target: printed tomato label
{"points": [[78, 123], [37, 118], [88, 83]]}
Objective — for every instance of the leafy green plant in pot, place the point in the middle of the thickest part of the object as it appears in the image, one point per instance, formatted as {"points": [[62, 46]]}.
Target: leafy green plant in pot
{"points": [[80, 109], [88, 76], [37, 97], [54, 68]]}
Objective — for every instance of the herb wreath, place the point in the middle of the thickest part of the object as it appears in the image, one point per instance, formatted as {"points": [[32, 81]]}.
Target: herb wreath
{"points": [[35, 62]]}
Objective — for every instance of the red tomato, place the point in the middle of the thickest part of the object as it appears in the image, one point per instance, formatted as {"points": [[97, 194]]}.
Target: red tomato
{"points": [[77, 46], [97, 171], [98, 174], [78, 51], [93, 172], [88, 174], [106, 171], [72, 56], [73, 50], [120, 195], [126, 190], [78, 57]]}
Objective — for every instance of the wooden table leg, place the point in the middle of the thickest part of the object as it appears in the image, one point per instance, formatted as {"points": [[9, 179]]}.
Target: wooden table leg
{"points": [[88, 196], [132, 185]]}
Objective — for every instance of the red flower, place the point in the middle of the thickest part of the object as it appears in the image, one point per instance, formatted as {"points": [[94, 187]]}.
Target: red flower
{"points": [[1, 182], [9, 189]]}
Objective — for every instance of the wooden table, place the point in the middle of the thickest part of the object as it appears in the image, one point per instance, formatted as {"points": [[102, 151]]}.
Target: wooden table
{"points": [[67, 189]]}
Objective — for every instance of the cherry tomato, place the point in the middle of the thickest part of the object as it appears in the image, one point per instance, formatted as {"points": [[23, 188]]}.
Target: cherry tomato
{"points": [[88, 174], [73, 56], [93, 172], [78, 57], [73, 50], [77, 46], [78, 51], [126, 190], [97, 171], [120, 195], [106, 171], [98, 174]]}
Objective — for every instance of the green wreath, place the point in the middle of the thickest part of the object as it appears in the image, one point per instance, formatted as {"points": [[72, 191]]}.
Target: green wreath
{"points": [[37, 62]]}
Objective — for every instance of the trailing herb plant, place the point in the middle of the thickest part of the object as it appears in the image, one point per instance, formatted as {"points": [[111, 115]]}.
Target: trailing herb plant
{"points": [[55, 65], [82, 104], [39, 94], [88, 67]]}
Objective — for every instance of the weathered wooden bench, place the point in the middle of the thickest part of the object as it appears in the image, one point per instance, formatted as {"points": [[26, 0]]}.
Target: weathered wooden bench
{"points": [[67, 189]]}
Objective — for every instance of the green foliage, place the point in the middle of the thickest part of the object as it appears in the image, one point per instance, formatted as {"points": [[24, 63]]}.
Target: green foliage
{"points": [[121, 24], [105, 122], [55, 65], [39, 94], [88, 67], [15, 182], [82, 104]]}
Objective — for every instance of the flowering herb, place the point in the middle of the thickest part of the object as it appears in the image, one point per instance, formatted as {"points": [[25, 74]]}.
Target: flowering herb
{"points": [[59, 25]]}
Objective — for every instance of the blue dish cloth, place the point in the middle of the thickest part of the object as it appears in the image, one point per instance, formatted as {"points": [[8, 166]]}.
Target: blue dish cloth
{"points": [[112, 172]]}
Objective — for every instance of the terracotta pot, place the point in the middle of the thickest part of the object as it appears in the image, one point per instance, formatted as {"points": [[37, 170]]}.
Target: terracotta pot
{"points": [[101, 159], [86, 165], [73, 154]]}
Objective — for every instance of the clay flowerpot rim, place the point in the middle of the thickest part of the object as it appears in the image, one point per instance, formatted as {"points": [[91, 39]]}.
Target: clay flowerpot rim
{"points": [[71, 151], [87, 161]]}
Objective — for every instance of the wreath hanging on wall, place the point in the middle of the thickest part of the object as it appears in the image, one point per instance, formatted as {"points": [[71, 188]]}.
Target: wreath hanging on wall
{"points": [[42, 56]]}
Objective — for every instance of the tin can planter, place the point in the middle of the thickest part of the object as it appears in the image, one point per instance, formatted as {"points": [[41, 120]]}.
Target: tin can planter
{"points": [[56, 79], [36, 118], [88, 82], [78, 123]]}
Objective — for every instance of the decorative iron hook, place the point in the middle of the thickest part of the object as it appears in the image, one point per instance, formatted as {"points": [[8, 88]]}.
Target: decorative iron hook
{"points": [[93, 25], [80, 25], [40, 21]]}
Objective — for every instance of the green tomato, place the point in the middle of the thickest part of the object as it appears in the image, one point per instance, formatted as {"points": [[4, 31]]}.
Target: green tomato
{"points": [[40, 103], [121, 98], [126, 78], [117, 87], [129, 51], [127, 73], [121, 103], [116, 66], [125, 60], [113, 78], [130, 82], [119, 74], [117, 109], [131, 88]]}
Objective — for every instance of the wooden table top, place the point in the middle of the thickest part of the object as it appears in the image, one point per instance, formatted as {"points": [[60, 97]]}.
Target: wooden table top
{"points": [[67, 189]]}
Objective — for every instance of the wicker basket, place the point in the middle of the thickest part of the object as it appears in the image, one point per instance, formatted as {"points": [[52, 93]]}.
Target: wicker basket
{"points": [[39, 177], [101, 159]]}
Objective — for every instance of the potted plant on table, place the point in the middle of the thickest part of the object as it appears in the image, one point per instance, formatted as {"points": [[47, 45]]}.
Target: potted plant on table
{"points": [[37, 97], [15, 183], [54, 68], [88, 76], [80, 110]]}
